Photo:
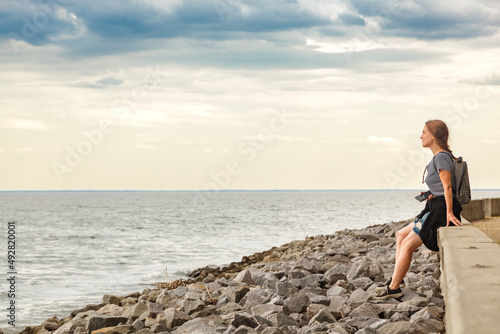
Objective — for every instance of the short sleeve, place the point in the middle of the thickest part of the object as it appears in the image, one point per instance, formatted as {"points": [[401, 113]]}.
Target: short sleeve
{"points": [[443, 162]]}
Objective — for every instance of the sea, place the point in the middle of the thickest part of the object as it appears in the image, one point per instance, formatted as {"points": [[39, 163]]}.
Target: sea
{"points": [[71, 248]]}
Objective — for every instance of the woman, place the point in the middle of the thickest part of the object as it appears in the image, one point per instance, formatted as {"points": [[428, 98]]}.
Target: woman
{"points": [[441, 208]]}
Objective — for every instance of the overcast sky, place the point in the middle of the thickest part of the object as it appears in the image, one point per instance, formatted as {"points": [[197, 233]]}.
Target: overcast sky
{"points": [[237, 94]]}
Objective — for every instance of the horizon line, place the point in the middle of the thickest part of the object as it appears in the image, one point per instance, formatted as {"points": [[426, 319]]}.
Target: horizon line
{"points": [[226, 190]]}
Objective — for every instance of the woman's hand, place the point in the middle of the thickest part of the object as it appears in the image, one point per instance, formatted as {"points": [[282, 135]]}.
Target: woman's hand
{"points": [[450, 217]]}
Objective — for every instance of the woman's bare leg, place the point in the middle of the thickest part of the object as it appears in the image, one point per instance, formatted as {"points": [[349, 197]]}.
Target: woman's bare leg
{"points": [[400, 236], [407, 247]]}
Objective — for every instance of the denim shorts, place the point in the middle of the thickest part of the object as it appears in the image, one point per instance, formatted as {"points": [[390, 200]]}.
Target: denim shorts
{"points": [[419, 222]]}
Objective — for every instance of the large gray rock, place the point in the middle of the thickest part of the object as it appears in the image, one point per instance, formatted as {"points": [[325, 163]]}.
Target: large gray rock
{"points": [[136, 310], [206, 325], [318, 299], [111, 299], [314, 281], [336, 291], [244, 319], [323, 316], [367, 310], [362, 283], [244, 276], [297, 303], [400, 327], [285, 289], [111, 309], [265, 310], [360, 268], [191, 306], [336, 273], [256, 297], [236, 293], [357, 298], [313, 309], [172, 318], [91, 307], [99, 321], [306, 264], [154, 309], [281, 320]]}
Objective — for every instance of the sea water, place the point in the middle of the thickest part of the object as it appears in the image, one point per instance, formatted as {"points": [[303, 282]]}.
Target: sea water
{"points": [[74, 247]]}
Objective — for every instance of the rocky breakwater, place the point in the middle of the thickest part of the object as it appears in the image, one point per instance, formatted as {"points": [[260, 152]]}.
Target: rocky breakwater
{"points": [[322, 284]]}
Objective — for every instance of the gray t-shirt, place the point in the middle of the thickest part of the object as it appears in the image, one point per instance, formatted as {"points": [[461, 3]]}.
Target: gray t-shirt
{"points": [[442, 161]]}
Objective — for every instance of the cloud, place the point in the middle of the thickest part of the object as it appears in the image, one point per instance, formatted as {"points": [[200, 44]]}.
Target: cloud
{"points": [[22, 124], [427, 19], [99, 84], [35, 22], [389, 141], [351, 19], [109, 81]]}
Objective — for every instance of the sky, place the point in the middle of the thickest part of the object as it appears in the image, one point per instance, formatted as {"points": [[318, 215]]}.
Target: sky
{"points": [[237, 94]]}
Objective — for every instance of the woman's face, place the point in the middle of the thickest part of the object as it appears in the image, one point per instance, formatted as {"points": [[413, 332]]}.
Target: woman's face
{"points": [[427, 137]]}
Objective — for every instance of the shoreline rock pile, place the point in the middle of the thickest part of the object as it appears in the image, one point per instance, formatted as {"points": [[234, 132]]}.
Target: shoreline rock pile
{"points": [[323, 284]]}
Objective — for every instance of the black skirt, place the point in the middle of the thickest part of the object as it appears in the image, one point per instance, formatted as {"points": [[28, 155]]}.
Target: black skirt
{"points": [[436, 219]]}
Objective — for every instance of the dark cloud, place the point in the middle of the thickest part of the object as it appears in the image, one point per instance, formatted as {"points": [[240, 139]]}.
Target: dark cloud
{"points": [[193, 18], [432, 20], [33, 21]]}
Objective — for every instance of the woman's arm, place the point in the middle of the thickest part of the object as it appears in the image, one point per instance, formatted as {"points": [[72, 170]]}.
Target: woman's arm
{"points": [[445, 177]]}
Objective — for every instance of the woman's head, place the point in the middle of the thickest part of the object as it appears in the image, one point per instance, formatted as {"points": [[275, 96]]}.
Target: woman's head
{"points": [[435, 131]]}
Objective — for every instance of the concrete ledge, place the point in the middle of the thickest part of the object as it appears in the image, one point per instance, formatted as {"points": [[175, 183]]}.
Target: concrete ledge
{"points": [[481, 208], [470, 280]]}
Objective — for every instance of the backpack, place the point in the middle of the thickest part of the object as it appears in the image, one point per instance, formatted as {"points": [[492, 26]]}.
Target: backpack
{"points": [[460, 179]]}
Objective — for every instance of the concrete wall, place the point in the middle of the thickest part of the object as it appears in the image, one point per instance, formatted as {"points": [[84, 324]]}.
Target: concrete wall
{"points": [[481, 208], [474, 210], [495, 206], [470, 280]]}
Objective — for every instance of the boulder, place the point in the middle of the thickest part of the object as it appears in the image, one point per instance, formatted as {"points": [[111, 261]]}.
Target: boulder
{"points": [[244, 276], [244, 319], [191, 306], [367, 310], [323, 316], [99, 321], [358, 297], [111, 309], [171, 318], [154, 309], [285, 289], [206, 325], [282, 320], [111, 299], [136, 310], [400, 327], [297, 303]]}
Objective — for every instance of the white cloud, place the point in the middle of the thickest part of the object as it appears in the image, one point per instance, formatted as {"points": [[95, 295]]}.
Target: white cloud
{"points": [[389, 141], [23, 124]]}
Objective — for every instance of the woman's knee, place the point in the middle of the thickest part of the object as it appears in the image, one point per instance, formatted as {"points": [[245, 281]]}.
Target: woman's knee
{"points": [[401, 234], [410, 243]]}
